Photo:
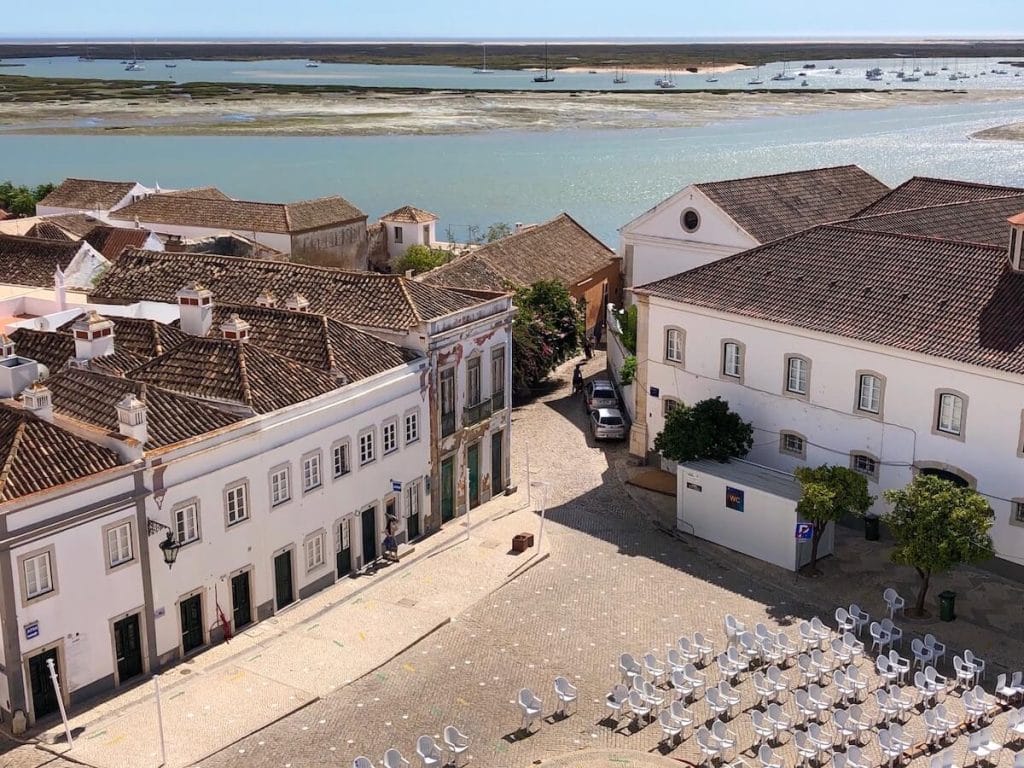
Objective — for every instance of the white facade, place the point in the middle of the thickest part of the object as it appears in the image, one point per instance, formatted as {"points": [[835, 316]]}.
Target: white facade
{"points": [[136, 193], [827, 425], [401, 234], [661, 242]]}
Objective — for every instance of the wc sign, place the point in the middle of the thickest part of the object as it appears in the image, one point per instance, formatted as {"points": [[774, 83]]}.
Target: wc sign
{"points": [[804, 531]]}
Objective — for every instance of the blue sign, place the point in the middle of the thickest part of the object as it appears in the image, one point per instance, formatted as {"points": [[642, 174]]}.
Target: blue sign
{"points": [[396, 486], [32, 630], [734, 498], [804, 531]]}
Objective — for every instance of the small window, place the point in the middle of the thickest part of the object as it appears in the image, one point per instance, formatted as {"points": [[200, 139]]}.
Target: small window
{"points": [[366, 447], [314, 551], [311, 475], [398, 234], [186, 523], [668, 405], [951, 414], [426, 234], [119, 545], [474, 389], [865, 465], [412, 427], [732, 360], [869, 393], [38, 577], [674, 345], [798, 374], [793, 444], [340, 458], [689, 220], [498, 378], [389, 436], [280, 486], [1018, 512], [236, 503]]}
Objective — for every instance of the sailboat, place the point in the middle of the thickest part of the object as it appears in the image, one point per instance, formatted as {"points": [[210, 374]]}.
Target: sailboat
{"points": [[483, 70], [711, 73], [783, 75], [666, 81], [546, 77], [756, 79], [620, 76], [134, 65]]}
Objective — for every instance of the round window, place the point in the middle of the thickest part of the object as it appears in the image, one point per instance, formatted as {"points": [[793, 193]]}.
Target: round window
{"points": [[690, 220]]}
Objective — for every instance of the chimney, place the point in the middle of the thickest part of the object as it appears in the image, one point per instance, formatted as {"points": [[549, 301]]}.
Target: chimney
{"points": [[6, 347], [408, 274], [297, 303], [235, 328], [39, 400], [266, 299], [517, 228], [1016, 251], [131, 418], [94, 336], [195, 308], [58, 290]]}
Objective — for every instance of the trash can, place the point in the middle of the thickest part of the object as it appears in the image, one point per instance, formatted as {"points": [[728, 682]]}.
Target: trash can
{"points": [[947, 605], [871, 528]]}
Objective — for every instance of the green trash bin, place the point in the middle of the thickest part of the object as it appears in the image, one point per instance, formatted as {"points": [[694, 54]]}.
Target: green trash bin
{"points": [[947, 605], [871, 528]]}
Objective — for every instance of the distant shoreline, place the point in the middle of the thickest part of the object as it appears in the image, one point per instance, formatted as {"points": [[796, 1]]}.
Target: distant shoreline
{"points": [[1010, 132]]}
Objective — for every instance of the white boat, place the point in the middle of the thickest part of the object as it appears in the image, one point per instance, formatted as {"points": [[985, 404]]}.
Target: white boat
{"points": [[311, 65], [711, 74], [782, 76], [483, 70], [133, 64], [911, 79], [666, 81], [620, 76], [930, 73], [756, 79]]}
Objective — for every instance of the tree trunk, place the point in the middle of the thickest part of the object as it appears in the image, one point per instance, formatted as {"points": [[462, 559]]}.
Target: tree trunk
{"points": [[815, 539], [922, 590]]}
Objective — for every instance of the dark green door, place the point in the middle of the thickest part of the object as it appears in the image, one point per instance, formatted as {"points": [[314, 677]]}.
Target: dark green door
{"points": [[191, 623], [368, 523], [44, 698], [241, 600], [412, 524], [447, 489], [344, 557], [473, 461], [128, 647], [283, 591], [497, 464]]}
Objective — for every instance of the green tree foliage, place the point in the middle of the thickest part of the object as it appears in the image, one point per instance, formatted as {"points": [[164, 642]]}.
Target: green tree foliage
{"points": [[628, 372], [707, 430], [547, 330], [829, 493], [496, 231], [937, 526], [21, 200], [420, 258], [627, 322]]}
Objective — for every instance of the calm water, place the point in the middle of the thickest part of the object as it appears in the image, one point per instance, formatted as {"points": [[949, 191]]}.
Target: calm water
{"points": [[851, 74], [601, 178]]}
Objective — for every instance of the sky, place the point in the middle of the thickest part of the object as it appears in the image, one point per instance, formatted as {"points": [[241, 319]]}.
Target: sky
{"points": [[525, 19]]}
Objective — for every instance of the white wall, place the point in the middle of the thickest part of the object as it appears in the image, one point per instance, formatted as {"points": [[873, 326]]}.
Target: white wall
{"points": [[412, 234], [902, 438], [137, 193]]}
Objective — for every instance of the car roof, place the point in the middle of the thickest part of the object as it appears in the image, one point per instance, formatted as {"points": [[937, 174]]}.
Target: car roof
{"points": [[601, 383], [608, 412]]}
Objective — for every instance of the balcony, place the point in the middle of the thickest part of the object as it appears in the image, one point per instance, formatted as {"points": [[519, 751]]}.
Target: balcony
{"points": [[474, 414], [498, 401], [447, 424]]}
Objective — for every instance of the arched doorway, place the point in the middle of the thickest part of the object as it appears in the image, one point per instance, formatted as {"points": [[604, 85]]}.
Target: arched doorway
{"points": [[946, 474]]}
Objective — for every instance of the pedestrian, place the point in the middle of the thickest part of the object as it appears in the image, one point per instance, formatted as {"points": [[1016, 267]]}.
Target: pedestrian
{"points": [[597, 335], [587, 349], [577, 379], [390, 543]]}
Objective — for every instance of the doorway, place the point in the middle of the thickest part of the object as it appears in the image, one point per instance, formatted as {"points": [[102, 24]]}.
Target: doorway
{"points": [[344, 556], [473, 462], [447, 489], [241, 600], [44, 698], [412, 522], [497, 464], [128, 648], [368, 523], [191, 612], [284, 593], [945, 474]]}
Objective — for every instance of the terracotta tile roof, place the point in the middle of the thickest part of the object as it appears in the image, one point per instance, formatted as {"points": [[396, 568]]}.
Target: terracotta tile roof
{"points": [[922, 191], [242, 215], [409, 214], [947, 299], [147, 338], [36, 455], [91, 397], [204, 193], [47, 230], [110, 241], [1017, 220], [365, 299], [55, 349], [776, 206], [315, 341], [234, 373], [560, 249], [87, 194], [76, 224], [33, 261], [974, 221]]}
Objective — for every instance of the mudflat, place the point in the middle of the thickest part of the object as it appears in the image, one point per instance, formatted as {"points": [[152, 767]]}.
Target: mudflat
{"points": [[1010, 132]]}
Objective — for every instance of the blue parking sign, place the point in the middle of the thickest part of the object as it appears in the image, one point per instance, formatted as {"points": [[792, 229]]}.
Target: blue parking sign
{"points": [[804, 531]]}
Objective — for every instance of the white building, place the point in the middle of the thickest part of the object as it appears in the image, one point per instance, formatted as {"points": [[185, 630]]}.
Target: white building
{"points": [[407, 226], [58, 264], [92, 196], [851, 344], [709, 221]]}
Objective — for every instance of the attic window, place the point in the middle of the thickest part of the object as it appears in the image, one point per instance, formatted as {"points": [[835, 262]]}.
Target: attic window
{"points": [[689, 220]]}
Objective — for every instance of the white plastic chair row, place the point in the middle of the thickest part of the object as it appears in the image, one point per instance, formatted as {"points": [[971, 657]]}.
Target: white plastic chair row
{"points": [[688, 682], [429, 753], [982, 746], [674, 721], [1008, 691]]}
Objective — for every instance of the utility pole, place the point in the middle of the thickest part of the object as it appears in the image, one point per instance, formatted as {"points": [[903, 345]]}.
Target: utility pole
{"points": [[60, 701]]}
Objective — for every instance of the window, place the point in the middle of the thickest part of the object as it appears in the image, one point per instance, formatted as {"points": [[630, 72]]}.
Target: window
{"points": [[473, 389], [280, 486], [314, 551], [869, 393], [38, 578], [119, 544], [426, 234], [311, 475], [236, 503], [792, 444], [798, 374], [340, 458], [412, 427], [186, 523], [366, 448], [398, 234], [689, 220], [1018, 512], [865, 464], [498, 378], [674, 345], [389, 436], [732, 360], [412, 499], [447, 379], [951, 414], [668, 405]]}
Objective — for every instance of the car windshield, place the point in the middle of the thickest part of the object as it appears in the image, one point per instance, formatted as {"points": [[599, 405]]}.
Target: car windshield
{"points": [[605, 394], [611, 421]]}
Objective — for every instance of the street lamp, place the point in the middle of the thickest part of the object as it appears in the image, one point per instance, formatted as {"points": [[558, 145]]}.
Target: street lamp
{"points": [[543, 485], [170, 548]]}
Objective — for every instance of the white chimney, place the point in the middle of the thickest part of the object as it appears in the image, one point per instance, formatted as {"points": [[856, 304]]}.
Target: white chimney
{"points": [[297, 303], [1016, 251], [195, 308], [59, 294], [131, 418], [235, 328], [266, 299], [408, 274], [16, 373], [39, 400], [6, 347], [94, 336], [518, 227]]}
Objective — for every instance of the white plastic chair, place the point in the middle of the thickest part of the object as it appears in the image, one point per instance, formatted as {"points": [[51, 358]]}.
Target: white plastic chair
{"points": [[566, 693], [808, 672], [729, 695], [885, 669], [726, 739], [686, 650], [880, 639], [705, 647], [770, 652], [820, 663], [654, 697], [846, 728], [843, 688], [844, 621], [894, 632], [902, 703], [984, 701], [456, 742], [763, 728], [629, 668], [786, 647], [669, 727], [638, 705], [891, 751], [733, 627], [763, 688], [965, 673], [887, 710], [778, 681], [857, 681], [766, 757], [821, 700], [923, 656], [900, 664], [529, 707], [697, 680], [893, 602], [808, 638], [945, 759], [804, 749], [654, 667], [861, 618], [926, 692], [709, 749], [682, 686], [974, 710], [935, 732], [944, 719], [682, 716], [362, 762], [840, 653], [988, 742], [748, 646], [428, 752], [824, 633], [855, 646], [939, 682], [974, 661], [938, 649], [804, 706], [716, 704], [1014, 726], [855, 758], [899, 738], [779, 720], [820, 738], [977, 748], [616, 700], [393, 759]]}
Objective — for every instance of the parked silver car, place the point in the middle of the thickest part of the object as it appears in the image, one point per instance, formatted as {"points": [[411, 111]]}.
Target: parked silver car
{"points": [[600, 393], [607, 424]]}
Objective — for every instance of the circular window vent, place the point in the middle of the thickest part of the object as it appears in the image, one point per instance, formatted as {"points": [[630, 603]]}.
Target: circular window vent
{"points": [[690, 220]]}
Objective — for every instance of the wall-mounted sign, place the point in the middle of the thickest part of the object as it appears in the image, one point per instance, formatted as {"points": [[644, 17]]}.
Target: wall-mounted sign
{"points": [[694, 487], [804, 531], [734, 498], [32, 630], [159, 612], [655, 392], [396, 486]]}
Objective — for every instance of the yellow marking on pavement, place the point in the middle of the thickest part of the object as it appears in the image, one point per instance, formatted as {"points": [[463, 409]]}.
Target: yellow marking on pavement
{"points": [[116, 739], [408, 667], [463, 702], [362, 636], [238, 675]]}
